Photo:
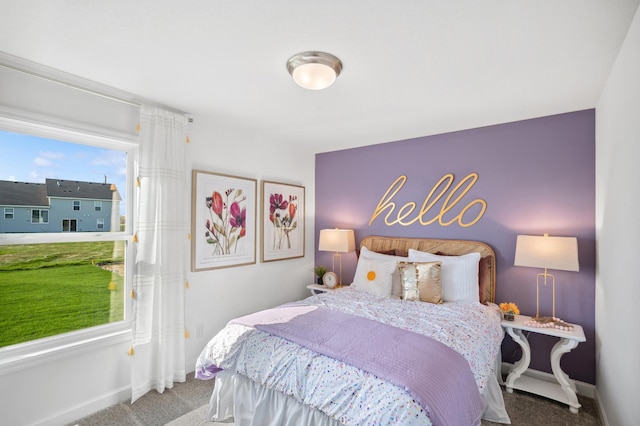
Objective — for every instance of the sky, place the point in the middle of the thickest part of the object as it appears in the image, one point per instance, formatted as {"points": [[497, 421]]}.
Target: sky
{"points": [[25, 158]]}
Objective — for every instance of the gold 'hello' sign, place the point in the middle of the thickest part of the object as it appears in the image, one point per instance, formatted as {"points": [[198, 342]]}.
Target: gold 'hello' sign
{"points": [[404, 215]]}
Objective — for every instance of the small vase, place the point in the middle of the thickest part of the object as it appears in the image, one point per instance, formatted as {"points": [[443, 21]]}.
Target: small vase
{"points": [[319, 280], [509, 316]]}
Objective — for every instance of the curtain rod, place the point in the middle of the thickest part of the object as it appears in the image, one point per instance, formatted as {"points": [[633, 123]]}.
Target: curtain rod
{"points": [[89, 91]]}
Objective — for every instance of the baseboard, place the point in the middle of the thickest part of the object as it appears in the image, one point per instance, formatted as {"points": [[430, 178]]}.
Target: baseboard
{"points": [[603, 413], [582, 388], [87, 408]]}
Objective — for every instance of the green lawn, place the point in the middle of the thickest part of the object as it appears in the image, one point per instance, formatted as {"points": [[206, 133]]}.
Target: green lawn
{"points": [[48, 289]]}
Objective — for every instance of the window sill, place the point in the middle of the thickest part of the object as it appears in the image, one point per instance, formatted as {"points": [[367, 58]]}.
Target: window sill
{"points": [[24, 355]]}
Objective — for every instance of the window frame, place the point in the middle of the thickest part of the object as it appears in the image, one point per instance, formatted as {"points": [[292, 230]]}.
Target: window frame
{"points": [[97, 206], [75, 203], [100, 223], [6, 213], [40, 221], [15, 357]]}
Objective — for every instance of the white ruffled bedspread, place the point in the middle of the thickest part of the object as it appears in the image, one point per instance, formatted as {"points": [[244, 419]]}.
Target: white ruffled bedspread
{"points": [[345, 393]]}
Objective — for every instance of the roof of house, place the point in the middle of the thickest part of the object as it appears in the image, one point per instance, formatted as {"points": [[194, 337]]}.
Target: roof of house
{"points": [[23, 194], [37, 194], [77, 189]]}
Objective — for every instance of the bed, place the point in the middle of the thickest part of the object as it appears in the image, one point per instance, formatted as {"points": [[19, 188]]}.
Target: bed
{"points": [[414, 340]]}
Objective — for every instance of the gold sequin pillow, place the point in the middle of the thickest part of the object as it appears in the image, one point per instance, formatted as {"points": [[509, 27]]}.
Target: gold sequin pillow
{"points": [[421, 281]]}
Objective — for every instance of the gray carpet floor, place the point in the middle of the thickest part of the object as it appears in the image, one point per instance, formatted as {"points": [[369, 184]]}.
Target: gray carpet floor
{"points": [[183, 406], [154, 409]]}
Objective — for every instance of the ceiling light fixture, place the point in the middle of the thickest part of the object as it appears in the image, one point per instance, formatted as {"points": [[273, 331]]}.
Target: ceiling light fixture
{"points": [[314, 70]]}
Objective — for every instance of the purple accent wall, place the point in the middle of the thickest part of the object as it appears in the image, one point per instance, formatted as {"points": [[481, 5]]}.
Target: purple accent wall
{"points": [[536, 176]]}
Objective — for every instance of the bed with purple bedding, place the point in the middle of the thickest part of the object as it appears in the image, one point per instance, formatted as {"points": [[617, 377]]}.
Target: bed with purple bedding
{"points": [[356, 357]]}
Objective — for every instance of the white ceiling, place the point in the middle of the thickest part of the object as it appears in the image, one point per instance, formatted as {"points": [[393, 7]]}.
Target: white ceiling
{"points": [[411, 68]]}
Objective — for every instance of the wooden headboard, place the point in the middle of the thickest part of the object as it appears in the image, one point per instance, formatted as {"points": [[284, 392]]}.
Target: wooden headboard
{"points": [[450, 247]]}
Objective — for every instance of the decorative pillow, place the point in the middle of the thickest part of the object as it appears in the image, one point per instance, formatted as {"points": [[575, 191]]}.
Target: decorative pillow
{"points": [[396, 284], [483, 275], [373, 276], [423, 277], [459, 274]]}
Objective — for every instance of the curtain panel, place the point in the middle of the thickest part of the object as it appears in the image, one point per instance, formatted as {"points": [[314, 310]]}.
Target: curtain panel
{"points": [[161, 231]]}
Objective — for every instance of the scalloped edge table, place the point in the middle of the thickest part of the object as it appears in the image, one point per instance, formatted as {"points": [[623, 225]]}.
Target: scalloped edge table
{"points": [[565, 390]]}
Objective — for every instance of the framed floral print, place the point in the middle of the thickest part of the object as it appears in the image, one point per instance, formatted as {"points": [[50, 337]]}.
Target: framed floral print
{"points": [[282, 221], [223, 220]]}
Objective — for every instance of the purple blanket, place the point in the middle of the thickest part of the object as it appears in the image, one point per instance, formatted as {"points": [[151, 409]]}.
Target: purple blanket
{"points": [[437, 377]]}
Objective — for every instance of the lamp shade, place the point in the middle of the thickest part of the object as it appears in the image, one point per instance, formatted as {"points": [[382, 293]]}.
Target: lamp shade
{"points": [[559, 253], [337, 240]]}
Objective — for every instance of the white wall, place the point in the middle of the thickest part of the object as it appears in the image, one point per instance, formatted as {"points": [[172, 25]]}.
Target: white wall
{"points": [[216, 296], [618, 233]]}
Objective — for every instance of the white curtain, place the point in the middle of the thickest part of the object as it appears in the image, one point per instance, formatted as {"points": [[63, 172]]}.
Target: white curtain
{"points": [[161, 231]]}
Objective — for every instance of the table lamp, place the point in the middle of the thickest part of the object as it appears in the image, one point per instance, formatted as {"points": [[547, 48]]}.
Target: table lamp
{"points": [[337, 241], [560, 253]]}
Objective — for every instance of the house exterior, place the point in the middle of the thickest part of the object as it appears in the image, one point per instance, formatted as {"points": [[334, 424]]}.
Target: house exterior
{"points": [[58, 206]]}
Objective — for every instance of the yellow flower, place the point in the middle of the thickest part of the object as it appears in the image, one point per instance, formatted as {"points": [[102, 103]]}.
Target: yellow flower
{"points": [[510, 307]]}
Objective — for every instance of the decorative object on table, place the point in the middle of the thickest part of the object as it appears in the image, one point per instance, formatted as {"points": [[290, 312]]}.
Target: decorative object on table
{"points": [[319, 272], [549, 322], [509, 310], [560, 253], [223, 221], [282, 221], [337, 241], [330, 279]]}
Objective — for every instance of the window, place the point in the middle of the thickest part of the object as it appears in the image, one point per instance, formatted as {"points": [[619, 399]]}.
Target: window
{"points": [[39, 216], [62, 282]]}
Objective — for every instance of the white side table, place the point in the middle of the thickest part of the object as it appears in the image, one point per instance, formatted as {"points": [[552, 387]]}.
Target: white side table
{"points": [[565, 390], [318, 288]]}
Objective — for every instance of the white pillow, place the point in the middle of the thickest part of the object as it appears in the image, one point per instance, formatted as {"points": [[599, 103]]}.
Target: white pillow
{"points": [[459, 274], [396, 282], [373, 276]]}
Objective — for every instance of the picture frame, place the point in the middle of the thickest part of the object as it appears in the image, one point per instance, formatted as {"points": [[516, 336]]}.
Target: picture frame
{"points": [[223, 220], [283, 226]]}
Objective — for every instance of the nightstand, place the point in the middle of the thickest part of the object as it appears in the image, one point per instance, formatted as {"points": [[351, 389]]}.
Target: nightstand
{"points": [[318, 288], [565, 390]]}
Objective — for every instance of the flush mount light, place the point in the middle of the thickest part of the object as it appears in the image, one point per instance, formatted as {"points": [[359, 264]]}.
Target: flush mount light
{"points": [[314, 70]]}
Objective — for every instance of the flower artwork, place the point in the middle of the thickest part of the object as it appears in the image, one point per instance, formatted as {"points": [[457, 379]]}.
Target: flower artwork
{"points": [[282, 215], [226, 224], [283, 221], [223, 221]]}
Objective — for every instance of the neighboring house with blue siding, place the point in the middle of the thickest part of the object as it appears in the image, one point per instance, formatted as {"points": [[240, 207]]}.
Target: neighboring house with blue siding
{"points": [[58, 206]]}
